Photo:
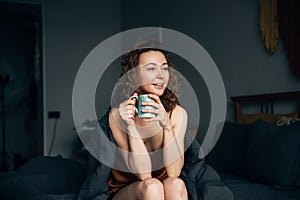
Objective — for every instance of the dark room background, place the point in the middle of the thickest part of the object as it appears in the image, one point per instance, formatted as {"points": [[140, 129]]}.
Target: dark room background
{"points": [[228, 30], [21, 59]]}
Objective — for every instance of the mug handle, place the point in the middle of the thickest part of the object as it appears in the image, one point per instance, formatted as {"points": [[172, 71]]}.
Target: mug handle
{"points": [[137, 98]]}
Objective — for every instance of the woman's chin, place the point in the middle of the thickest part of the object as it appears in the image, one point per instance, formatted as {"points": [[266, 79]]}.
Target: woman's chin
{"points": [[158, 92], [155, 91]]}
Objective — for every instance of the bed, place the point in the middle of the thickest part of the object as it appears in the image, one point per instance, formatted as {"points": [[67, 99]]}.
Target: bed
{"points": [[258, 154], [43, 177], [267, 103], [243, 157]]}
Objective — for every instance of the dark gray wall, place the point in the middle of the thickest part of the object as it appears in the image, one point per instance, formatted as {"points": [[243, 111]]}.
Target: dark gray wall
{"points": [[229, 31], [72, 30]]}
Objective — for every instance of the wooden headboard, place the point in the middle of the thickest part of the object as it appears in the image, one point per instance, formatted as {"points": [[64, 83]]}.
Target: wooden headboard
{"points": [[266, 102]]}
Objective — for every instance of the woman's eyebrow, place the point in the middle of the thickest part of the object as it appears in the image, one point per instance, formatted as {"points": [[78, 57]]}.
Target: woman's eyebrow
{"points": [[150, 64], [154, 64]]}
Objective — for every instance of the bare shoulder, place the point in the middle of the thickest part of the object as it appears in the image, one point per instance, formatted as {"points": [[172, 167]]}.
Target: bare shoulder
{"points": [[112, 112], [178, 111], [112, 121], [179, 115], [115, 119], [117, 129], [112, 116]]}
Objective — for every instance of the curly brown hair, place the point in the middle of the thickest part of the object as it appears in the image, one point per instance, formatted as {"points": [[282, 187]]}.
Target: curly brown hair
{"points": [[129, 84]]}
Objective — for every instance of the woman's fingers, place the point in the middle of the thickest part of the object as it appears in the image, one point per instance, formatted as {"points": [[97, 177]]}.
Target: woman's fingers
{"points": [[159, 110], [133, 100], [155, 97], [127, 110], [151, 110], [153, 104]]}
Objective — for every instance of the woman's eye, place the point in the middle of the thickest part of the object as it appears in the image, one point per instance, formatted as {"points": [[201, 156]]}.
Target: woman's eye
{"points": [[151, 69], [166, 68]]}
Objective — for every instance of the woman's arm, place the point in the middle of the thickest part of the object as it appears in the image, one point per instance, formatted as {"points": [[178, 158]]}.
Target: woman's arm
{"points": [[136, 156], [173, 136], [174, 131]]}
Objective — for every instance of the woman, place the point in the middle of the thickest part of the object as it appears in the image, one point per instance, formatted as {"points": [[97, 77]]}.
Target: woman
{"points": [[153, 70]]}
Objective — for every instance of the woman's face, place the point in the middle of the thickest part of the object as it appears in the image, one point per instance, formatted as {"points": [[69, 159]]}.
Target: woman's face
{"points": [[154, 72]]}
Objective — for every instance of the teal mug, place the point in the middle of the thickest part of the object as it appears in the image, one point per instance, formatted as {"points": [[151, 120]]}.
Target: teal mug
{"points": [[140, 99]]}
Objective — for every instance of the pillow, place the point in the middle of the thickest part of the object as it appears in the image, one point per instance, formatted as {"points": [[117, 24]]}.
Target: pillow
{"points": [[274, 154], [45, 175], [229, 153]]}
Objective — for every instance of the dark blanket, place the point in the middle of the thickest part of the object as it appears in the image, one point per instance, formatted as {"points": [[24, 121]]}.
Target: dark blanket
{"points": [[201, 180], [55, 178]]}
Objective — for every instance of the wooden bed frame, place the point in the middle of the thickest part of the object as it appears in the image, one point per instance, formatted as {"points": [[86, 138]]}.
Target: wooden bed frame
{"points": [[266, 102]]}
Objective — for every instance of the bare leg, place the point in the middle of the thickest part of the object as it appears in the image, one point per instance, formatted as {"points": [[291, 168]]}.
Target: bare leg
{"points": [[174, 188], [149, 189]]}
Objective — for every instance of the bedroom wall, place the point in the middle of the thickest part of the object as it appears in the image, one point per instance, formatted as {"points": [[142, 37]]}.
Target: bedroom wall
{"points": [[71, 30], [229, 31]]}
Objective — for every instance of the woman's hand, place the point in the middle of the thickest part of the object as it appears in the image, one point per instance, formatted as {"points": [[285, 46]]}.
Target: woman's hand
{"points": [[161, 114], [127, 110]]}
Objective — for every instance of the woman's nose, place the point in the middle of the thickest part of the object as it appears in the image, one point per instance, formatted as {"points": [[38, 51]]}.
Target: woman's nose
{"points": [[160, 72]]}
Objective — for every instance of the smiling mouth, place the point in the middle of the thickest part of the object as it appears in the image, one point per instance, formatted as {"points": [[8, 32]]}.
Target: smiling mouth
{"points": [[159, 85]]}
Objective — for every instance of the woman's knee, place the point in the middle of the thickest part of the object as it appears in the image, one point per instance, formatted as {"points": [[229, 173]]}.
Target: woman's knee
{"points": [[151, 189], [175, 187]]}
